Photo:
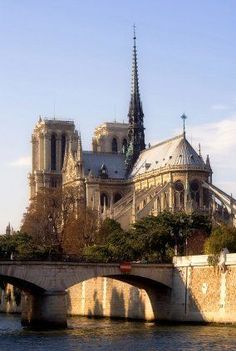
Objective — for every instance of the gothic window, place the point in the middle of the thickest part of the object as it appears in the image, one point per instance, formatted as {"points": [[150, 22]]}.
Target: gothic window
{"points": [[179, 195], [53, 152], [195, 193], [117, 197], [63, 148], [206, 198], [114, 147], [104, 200], [124, 146]]}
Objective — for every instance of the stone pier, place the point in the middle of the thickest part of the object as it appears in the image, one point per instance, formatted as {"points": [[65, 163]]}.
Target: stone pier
{"points": [[47, 310]]}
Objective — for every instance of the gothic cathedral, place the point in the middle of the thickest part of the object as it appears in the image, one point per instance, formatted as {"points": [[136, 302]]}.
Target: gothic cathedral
{"points": [[122, 178]]}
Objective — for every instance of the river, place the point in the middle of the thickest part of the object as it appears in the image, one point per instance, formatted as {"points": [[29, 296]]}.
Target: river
{"points": [[86, 334]]}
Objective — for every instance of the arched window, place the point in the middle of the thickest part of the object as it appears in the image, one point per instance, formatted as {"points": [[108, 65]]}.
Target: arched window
{"points": [[63, 148], [124, 146], [206, 198], [117, 197], [114, 147], [195, 193], [179, 195], [53, 152], [104, 200]]}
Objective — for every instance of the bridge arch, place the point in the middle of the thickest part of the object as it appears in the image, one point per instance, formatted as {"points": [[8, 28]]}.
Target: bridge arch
{"points": [[45, 285], [120, 295], [22, 284]]}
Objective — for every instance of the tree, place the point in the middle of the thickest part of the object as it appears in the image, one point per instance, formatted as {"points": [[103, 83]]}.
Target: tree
{"points": [[223, 236], [111, 244], [106, 229], [58, 221], [19, 246], [152, 239], [79, 230], [43, 219]]}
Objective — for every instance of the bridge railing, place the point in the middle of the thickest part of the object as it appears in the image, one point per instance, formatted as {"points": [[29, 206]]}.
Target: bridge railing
{"points": [[54, 257]]}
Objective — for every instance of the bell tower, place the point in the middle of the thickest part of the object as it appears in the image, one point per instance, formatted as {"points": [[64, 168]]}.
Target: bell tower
{"points": [[49, 141]]}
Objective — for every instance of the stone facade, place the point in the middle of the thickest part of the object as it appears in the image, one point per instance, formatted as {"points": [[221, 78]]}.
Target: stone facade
{"points": [[49, 141], [111, 137]]}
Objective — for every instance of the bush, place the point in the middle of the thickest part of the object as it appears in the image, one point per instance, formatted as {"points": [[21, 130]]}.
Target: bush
{"points": [[223, 236]]}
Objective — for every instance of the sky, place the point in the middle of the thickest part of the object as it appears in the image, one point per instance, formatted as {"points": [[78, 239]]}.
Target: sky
{"points": [[72, 59]]}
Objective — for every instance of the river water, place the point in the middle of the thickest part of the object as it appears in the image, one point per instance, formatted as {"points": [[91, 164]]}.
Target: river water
{"points": [[86, 334]]}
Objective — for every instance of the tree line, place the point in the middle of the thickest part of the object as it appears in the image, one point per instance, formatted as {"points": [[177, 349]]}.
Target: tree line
{"points": [[57, 225]]}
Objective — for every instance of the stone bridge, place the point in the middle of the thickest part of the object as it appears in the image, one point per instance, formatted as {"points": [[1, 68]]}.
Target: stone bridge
{"points": [[45, 283]]}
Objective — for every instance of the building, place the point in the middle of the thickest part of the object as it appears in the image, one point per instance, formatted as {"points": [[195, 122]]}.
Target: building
{"points": [[120, 177]]}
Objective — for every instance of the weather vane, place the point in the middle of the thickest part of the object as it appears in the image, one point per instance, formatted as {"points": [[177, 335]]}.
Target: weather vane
{"points": [[184, 117]]}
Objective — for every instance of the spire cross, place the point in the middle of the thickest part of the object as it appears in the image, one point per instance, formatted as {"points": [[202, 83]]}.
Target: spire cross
{"points": [[184, 117], [134, 31]]}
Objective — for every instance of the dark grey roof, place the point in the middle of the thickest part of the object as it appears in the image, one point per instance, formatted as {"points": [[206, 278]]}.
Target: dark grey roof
{"points": [[170, 153], [115, 164]]}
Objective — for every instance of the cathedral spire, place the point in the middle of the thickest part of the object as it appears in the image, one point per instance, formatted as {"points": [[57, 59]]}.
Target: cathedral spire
{"points": [[136, 139]]}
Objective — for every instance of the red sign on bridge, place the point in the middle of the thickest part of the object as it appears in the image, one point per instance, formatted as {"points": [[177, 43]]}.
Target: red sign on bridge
{"points": [[125, 267]]}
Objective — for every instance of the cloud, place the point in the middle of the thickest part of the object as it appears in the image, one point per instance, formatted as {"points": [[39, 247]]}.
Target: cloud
{"points": [[218, 139], [24, 161]]}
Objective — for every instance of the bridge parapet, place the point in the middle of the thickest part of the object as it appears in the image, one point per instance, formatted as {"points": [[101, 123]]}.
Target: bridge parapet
{"points": [[59, 276], [201, 260]]}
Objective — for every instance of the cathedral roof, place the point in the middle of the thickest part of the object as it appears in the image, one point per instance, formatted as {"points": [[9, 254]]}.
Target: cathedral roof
{"points": [[175, 152], [114, 163]]}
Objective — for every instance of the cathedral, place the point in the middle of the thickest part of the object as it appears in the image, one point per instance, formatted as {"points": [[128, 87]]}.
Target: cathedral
{"points": [[123, 178]]}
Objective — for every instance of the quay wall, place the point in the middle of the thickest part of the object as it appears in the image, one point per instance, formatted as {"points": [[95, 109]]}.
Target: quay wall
{"points": [[203, 293]]}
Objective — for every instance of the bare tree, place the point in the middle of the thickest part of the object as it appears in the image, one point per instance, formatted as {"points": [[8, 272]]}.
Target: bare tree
{"points": [[58, 219], [43, 219]]}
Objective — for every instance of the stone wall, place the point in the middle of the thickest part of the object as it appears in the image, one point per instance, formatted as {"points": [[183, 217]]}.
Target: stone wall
{"points": [[105, 297], [202, 292]]}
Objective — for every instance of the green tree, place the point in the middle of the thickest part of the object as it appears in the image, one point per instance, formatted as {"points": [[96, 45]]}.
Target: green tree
{"points": [[223, 236], [18, 245], [152, 239], [106, 229]]}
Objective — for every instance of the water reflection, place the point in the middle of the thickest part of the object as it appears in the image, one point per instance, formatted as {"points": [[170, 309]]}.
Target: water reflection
{"points": [[103, 334]]}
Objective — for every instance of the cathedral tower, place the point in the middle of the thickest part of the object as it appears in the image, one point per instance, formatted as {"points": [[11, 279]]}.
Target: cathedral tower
{"points": [[49, 141], [136, 139]]}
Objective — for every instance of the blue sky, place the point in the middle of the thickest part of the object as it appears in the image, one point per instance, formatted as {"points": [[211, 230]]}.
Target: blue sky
{"points": [[76, 56]]}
